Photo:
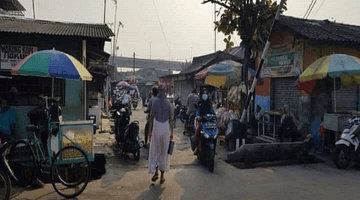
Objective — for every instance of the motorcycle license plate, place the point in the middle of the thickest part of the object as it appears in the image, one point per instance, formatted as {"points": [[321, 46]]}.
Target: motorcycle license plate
{"points": [[212, 146]]}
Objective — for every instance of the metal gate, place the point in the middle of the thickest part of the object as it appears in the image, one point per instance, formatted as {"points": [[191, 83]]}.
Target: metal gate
{"points": [[284, 92], [346, 99]]}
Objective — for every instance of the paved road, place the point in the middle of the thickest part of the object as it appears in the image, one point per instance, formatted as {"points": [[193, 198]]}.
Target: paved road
{"points": [[187, 179]]}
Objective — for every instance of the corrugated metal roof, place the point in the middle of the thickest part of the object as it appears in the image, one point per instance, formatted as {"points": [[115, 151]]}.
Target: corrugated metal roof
{"points": [[322, 30], [30, 26]]}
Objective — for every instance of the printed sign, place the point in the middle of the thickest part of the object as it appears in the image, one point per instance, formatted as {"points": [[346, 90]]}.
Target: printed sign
{"points": [[10, 55], [284, 61]]}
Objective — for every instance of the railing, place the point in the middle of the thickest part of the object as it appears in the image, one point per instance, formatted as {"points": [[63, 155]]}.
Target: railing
{"points": [[268, 130]]}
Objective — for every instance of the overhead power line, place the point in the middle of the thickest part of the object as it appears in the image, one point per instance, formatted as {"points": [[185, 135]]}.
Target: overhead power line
{"points": [[162, 30], [308, 11], [319, 8]]}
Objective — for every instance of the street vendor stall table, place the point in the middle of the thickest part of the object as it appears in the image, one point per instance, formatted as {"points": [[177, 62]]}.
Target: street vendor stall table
{"points": [[334, 123]]}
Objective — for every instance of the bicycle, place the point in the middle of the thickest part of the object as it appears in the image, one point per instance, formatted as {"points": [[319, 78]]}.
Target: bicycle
{"points": [[69, 167]]}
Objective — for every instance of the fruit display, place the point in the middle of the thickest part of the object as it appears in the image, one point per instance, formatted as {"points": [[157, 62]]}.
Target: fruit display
{"points": [[235, 94], [84, 141]]}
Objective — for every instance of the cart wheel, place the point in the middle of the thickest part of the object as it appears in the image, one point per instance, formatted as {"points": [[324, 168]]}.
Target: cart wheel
{"points": [[70, 171], [22, 162]]}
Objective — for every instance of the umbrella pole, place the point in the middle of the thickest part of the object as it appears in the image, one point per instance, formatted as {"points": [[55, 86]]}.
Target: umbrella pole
{"points": [[335, 95], [52, 88]]}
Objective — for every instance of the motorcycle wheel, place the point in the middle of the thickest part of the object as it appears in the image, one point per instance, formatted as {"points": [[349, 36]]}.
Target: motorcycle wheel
{"points": [[211, 161], [182, 117], [137, 154], [341, 157]]}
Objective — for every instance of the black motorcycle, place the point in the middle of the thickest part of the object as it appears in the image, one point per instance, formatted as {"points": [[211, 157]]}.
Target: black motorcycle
{"points": [[177, 107], [127, 135], [183, 110]]}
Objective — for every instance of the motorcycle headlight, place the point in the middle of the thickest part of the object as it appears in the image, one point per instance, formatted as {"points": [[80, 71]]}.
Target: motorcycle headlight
{"points": [[206, 136], [117, 112], [122, 110]]}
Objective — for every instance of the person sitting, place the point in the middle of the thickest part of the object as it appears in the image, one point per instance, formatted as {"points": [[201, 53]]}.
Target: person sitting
{"points": [[204, 108], [7, 122], [288, 126]]}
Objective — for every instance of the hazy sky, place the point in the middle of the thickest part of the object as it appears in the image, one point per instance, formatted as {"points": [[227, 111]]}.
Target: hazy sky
{"points": [[187, 24]]}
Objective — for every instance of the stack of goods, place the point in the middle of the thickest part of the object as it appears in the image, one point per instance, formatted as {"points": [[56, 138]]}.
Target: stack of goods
{"points": [[84, 141], [235, 94]]}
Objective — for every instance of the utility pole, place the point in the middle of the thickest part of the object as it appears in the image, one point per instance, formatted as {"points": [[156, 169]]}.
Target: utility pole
{"points": [[33, 8], [134, 64], [104, 10], [214, 21]]}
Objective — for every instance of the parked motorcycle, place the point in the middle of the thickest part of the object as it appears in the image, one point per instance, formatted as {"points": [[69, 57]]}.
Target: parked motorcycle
{"points": [[208, 137], [347, 148], [135, 103], [189, 125], [177, 107], [127, 135], [183, 110]]}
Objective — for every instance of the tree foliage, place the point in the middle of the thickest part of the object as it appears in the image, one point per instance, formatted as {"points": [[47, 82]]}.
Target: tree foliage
{"points": [[250, 19]]}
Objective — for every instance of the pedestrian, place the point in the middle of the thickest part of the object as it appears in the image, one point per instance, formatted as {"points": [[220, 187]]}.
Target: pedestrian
{"points": [[154, 91], [161, 117]]}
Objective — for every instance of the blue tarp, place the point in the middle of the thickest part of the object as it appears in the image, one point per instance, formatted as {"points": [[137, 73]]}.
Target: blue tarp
{"points": [[222, 69]]}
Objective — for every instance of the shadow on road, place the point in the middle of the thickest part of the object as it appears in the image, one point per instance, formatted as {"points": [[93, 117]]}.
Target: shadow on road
{"points": [[152, 193]]}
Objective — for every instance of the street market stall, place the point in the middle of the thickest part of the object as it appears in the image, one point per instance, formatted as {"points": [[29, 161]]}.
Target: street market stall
{"points": [[327, 74], [70, 143]]}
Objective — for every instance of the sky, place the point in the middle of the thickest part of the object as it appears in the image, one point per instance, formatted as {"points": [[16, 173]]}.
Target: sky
{"points": [[175, 30]]}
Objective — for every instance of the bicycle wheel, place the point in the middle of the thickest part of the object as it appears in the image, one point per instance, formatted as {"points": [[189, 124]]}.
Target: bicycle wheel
{"points": [[70, 171], [22, 162], [5, 186]]}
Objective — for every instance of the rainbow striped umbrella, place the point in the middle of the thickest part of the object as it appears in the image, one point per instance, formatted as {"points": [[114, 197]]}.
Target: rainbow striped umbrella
{"points": [[334, 70], [51, 63]]}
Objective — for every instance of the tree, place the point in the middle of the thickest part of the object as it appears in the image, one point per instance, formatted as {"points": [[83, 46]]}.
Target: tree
{"points": [[251, 19]]}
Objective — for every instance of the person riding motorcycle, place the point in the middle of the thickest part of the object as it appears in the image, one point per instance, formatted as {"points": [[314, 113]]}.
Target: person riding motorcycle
{"points": [[192, 100], [204, 107], [126, 100]]}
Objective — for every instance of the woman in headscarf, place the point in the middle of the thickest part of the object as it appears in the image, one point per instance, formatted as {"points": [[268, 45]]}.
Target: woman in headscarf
{"points": [[161, 117]]}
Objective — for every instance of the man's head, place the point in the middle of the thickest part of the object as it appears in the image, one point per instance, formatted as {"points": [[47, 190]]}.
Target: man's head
{"points": [[155, 91], [258, 108], [41, 100], [204, 91], [194, 91], [128, 92], [4, 102]]}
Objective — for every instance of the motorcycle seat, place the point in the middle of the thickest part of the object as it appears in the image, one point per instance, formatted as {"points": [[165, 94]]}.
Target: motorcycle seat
{"points": [[32, 128]]}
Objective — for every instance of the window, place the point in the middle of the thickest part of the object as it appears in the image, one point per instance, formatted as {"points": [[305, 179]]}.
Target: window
{"points": [[29, 88]]}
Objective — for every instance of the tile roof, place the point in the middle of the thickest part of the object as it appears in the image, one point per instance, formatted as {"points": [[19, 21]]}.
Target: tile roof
{"points": [[322, 30], [30, 26]]}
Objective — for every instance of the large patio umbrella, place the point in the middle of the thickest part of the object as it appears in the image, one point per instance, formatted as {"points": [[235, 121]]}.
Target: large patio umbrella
{"points": [[220, 74], [54, 64], [330, 72]]}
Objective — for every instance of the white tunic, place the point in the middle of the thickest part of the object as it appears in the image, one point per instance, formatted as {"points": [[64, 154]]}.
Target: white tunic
{"points": [[158, 155]]}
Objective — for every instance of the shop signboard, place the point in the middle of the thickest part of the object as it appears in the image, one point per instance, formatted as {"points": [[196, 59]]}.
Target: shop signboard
{"points": [[284, 61], [10, 55], [167, 83]]}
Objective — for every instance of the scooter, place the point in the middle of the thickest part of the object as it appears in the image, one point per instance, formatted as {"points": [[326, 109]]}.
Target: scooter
{"points": [[127, 135], [347, 148], [208, 137]]}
